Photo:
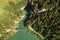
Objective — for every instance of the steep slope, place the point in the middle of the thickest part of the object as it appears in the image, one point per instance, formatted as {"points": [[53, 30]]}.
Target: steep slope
{"points": [[11, 12]]}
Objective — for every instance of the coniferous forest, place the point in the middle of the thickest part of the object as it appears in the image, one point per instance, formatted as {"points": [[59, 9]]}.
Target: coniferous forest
{"points": [[42, 18]]}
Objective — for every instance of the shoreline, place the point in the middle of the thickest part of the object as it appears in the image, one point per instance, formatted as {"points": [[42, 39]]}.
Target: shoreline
{"points": [[14, 28], [31, 29]]}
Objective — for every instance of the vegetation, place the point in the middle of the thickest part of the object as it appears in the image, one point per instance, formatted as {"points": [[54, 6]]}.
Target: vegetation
{"points": [[44, 19], [10, 17]]}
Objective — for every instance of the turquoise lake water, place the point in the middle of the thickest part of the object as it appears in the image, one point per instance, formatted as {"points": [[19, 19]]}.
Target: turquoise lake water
{"points": [[23, 34]]}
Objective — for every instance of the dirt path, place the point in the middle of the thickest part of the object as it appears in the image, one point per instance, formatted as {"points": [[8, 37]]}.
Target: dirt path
{"points": [[31, 29]]}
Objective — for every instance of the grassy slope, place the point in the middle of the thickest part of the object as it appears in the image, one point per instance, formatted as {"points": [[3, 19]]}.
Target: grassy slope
{"points": [[6, 23]]}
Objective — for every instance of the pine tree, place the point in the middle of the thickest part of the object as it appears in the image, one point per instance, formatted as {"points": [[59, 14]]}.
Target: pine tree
{"points": [[44, 19]]}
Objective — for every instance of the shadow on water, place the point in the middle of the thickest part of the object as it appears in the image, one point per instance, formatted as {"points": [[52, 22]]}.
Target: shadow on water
{"points": [[23, 33], [28, 8]]}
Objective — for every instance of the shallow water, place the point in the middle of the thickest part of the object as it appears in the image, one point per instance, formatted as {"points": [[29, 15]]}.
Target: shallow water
{"points": [[23, 34]]}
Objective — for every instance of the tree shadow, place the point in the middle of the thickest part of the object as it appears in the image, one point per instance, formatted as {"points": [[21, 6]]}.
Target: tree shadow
{"points": [[28, 8]]}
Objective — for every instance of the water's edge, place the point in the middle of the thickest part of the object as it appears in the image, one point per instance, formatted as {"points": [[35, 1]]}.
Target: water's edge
{"points": [[23, 33]]}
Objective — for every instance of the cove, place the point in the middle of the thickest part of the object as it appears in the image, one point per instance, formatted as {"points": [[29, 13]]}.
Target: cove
{"points": [[23, 33]]}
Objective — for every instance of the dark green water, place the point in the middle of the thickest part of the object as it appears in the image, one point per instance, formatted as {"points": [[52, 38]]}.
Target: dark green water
{"points": [[23, 34]]}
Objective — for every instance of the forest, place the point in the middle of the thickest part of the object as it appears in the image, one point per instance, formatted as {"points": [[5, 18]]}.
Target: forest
{"points": [[43, 18]]}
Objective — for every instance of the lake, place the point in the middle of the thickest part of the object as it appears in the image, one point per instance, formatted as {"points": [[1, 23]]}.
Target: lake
{"points": [[23, 33]]}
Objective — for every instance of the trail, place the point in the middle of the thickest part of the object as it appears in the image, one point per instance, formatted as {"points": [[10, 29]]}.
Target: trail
{"points": [[31, 29]]}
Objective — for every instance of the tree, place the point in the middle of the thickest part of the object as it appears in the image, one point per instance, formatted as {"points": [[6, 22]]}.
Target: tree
{"points": [[44, 19]]}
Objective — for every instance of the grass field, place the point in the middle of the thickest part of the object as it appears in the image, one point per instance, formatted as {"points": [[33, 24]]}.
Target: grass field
{"points": [[3, 3]]}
